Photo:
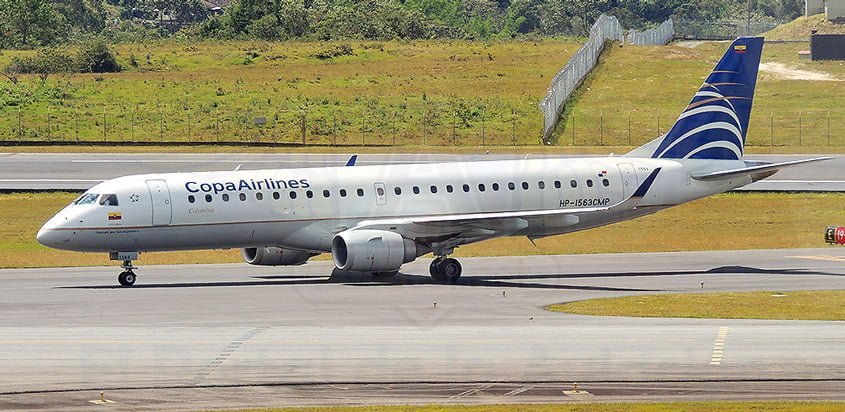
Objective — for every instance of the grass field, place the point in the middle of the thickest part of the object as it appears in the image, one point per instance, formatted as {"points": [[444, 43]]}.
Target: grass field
{"points": [[637, 92], [421, 92], [592, 407], [793, 305], [756, 220]]}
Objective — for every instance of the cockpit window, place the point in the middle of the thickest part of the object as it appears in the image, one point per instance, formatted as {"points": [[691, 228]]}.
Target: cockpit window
{"points": [[86, 199], [108, 200]]}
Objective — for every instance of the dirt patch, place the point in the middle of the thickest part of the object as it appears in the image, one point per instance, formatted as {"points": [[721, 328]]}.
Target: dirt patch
{"points": [[780, 71]]}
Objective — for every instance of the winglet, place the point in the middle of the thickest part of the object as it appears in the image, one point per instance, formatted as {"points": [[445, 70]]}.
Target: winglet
{"points": [[352, 160], [643, 189]]}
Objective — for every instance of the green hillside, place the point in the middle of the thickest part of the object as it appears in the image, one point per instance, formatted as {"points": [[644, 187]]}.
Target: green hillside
{"points": [[802, 27], [651, 85]]}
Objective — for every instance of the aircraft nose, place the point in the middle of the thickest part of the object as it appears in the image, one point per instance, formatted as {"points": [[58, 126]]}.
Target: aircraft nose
{"points": [[46, 236]]}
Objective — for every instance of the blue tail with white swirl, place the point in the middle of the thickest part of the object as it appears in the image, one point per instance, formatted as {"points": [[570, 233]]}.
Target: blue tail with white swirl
{"points": [[715, 123]]}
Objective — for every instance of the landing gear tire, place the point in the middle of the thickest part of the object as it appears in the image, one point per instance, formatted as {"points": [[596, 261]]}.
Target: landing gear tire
{"points": [[446, 270], [434, 270], [385, 275], [127, 278]]}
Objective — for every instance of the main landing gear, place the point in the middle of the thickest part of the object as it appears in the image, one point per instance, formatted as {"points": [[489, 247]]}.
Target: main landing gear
{"points": [[444, 269], [127, 277]]}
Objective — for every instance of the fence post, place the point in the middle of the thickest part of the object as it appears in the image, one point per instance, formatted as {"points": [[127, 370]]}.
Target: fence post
{"points": [[800, 131], [217, 123], [573, 128], [658, 122], [334, 128], [454, 127], [828, 127], [105, 133], [76, 113], [132, 122], [601, 128], [20, 124], [483, 137], [189, 124], [49, 129], [629, 128], [394, 128], [302, 127], [772, 128], [513, 129], [160, 124], [363, 124]]}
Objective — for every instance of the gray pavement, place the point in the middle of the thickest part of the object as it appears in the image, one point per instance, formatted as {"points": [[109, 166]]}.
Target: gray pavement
{"points": [[194, 336], [79, 171]]}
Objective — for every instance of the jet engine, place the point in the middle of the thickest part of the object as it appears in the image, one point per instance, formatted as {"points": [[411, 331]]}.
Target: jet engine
{"points": [[275, 256], [372, 250]]}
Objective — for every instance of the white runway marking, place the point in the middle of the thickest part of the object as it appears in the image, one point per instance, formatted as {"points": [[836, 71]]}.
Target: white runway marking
{"points": [[719, 346]]}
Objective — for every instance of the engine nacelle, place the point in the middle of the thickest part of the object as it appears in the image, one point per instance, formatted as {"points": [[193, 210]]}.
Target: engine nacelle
{"points": [[275, 256], [372, 250]]}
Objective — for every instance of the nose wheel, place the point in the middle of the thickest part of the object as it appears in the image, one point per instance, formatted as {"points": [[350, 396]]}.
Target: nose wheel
{"points": [[127, 277], [446, 270]]}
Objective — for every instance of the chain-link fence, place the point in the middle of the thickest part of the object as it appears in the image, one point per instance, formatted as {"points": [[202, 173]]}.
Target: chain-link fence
{"points": [[719, 30], [657, 36], [450, 122], [576, 69], [635, 128]]}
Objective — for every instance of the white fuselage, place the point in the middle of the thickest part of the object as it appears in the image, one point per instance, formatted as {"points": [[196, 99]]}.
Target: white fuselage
{"points": [[304, 208]]}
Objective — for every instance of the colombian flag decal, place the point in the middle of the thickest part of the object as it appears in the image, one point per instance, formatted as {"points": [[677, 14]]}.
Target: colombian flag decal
{"points": [[115, 216], [739, 48]]}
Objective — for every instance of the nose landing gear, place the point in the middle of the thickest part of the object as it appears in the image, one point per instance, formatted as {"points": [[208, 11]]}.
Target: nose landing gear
{"points": [[127, 277], [446, 270]]}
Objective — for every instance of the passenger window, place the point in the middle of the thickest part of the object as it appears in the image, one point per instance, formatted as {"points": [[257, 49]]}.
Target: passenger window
{"points": [[326, 193], [541, 184], [225, 197], [589, 182], [191, 199], [276, 195], [259, 195], [292, 194], [449, 188], [397, 190], [466, 188], [416, 190], [380, 191], [108, 200], [573, 183], [481, 187], [342, 192], [360, 192], [242, 196], [605, 182], [208, 198], [495, 187], [557, 184], [433, 189], [511, 186], [309, 194], [525, 185]]}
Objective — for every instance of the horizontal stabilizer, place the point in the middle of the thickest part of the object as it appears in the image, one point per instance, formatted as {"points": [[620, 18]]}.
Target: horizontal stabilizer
{"points": [[755, 170]]}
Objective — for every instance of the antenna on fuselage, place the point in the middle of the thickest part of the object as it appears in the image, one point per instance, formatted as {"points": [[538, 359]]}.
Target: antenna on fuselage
{"points": [[239, 167]]}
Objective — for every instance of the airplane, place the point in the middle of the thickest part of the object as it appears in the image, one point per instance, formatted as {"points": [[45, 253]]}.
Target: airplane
{"points": [[377, 218]]}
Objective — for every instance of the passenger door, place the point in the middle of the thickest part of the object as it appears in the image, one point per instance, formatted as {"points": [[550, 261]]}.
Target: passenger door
{"points": [[160, 196]]}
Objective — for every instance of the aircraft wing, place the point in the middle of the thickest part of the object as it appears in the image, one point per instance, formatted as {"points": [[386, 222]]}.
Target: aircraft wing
{"points": [[484, 225]]}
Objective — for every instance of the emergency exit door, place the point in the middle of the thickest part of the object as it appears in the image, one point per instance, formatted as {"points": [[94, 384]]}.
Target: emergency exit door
{"points": [[160, 196], [629, 179]]}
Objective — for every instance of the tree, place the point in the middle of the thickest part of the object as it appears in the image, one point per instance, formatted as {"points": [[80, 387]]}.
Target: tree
{"points": [[30, 23], [95, 57]]}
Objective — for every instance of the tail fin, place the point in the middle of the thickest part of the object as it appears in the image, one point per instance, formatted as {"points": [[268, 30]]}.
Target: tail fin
{"points": [[714, 124]]}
